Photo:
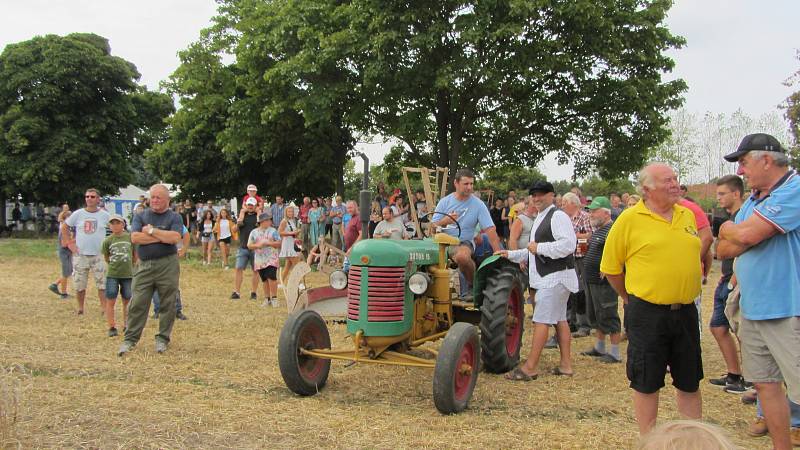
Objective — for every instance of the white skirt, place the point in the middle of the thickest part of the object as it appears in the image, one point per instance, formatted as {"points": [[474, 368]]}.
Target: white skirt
{"points": [[287, 248]]}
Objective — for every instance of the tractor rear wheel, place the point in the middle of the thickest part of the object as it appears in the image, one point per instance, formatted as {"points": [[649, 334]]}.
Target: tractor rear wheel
{"points": [[502, 320], [303, 374], [456, 368]]}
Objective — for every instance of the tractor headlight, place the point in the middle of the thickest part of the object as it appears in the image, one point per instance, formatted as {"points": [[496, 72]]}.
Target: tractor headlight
{"points": [[338, 279], [419, 282]]}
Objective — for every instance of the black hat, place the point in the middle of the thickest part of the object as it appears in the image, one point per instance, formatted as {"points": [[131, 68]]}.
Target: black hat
{"points": [[541, 186], [757, 141]]}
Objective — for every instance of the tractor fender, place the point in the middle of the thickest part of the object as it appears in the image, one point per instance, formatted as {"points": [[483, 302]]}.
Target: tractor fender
{"points": [[487, 267]]}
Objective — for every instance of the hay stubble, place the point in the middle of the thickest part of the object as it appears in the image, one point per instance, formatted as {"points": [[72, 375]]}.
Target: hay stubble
{"points": [[218, 386]]}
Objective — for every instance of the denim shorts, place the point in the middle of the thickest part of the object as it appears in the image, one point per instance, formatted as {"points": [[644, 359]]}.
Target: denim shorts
{"points": [[65, 256], [244, 259], [718, 318], [118, 286]]}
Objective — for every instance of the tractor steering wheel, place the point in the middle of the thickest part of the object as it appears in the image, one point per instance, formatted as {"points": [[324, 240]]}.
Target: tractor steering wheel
{"points": [[445, 214]]}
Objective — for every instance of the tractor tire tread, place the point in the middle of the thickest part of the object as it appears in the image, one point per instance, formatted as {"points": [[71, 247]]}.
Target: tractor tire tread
{"points": [[493, 321]]}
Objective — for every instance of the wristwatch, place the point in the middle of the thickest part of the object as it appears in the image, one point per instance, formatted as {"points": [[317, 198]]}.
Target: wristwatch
{"points": [[150, 231]]}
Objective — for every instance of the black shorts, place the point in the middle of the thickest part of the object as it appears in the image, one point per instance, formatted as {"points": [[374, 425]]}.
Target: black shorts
{"points": [[659, 336], [268, 273], [602, 299], [226, 240]]}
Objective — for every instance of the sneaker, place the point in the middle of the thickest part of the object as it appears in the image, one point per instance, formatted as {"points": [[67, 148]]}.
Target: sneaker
{"points": [[112, 332], [180, 316], [551, 343], [583, 332], [721, 382], [253, 296], [592, 352], [736, 387], [124, 348], [732, 384], [161, 347], [54, 289], [235, 296], [275, 303], [757, 428], [608, 359], [266, 303]]}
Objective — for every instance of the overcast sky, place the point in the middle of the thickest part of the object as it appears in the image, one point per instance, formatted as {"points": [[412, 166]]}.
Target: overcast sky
{"points": [[738, 52]]}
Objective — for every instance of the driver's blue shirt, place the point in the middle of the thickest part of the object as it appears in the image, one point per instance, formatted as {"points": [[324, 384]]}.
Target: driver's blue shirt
{"points": [[471, 212]]}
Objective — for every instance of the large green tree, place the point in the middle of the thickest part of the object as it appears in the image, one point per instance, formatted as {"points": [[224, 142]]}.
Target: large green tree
{"points": [[237, 126], [72, 116], [481, 84]]}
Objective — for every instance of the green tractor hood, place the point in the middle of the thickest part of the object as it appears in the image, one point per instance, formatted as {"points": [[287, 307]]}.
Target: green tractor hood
{"points": [[394, 253]]}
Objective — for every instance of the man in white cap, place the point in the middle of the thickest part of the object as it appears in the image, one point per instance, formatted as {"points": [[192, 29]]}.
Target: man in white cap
{"points": [[247, 222]]}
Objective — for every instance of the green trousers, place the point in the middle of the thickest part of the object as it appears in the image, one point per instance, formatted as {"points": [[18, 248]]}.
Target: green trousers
{"points": [[160, 275]]}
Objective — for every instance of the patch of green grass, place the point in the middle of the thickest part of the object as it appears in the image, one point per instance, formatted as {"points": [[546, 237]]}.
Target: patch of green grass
{"points": [[32, 248]]}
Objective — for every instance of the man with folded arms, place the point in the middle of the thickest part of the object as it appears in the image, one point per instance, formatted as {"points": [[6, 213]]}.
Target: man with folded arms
{"points": [[156, 231], [652, 259], [765, 240]]}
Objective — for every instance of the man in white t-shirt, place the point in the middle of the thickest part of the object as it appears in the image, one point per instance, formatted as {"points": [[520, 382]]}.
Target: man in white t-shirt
{"points": [[89, 224]]}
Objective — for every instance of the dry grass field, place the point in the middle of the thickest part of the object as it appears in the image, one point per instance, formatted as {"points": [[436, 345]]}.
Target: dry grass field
{"points": [[218, 385]]}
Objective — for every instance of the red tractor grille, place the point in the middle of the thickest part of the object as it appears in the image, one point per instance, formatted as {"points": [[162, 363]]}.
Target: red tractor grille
{"points": [[386, 293]]}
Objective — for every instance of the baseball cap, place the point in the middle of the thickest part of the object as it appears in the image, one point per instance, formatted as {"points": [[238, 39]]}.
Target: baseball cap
{"points": [[599, 202], [542, 186], [251, 201], [757, 141], [264, 216], [252, 187], [116, 217]]}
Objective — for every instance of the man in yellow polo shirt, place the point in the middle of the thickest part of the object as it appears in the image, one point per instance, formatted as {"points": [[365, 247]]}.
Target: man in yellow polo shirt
{"points": [[652, 259]]}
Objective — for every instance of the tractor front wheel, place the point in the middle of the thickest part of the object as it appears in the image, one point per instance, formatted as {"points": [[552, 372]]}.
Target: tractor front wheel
{"points": [[502, 320], [303, 374], [456, 368]]}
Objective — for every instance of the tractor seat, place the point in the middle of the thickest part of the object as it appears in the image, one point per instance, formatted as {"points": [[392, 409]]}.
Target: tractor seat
{"points": [[444, 238]]}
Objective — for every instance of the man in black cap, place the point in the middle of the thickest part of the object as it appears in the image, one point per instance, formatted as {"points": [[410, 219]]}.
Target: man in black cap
{"points": [[552, 273], [765, 240]]}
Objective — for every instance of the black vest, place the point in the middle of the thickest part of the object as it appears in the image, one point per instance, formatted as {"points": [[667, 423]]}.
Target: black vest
{"points": [[544, 265]]}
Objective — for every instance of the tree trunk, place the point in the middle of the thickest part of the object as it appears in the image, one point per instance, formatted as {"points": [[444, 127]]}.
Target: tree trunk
{"points": [[456, 145], [442, 125], [5, 211]]}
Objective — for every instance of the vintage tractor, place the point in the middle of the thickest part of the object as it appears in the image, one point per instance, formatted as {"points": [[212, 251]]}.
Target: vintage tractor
{"points": [[399, 297]]}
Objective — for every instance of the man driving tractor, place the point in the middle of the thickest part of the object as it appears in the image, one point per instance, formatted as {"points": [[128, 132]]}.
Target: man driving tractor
{"points": [[467, 211]]}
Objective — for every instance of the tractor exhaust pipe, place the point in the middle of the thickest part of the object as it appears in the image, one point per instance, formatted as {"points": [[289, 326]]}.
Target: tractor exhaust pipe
{"points": [[364, 199]]}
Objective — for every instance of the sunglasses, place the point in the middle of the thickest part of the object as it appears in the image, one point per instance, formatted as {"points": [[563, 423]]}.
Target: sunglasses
{"points": [[90, 196]]}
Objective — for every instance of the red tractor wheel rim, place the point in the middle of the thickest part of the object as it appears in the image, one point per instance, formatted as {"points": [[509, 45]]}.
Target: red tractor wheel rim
{"points": [[514, 319], [464, 369], [311, 337]]}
